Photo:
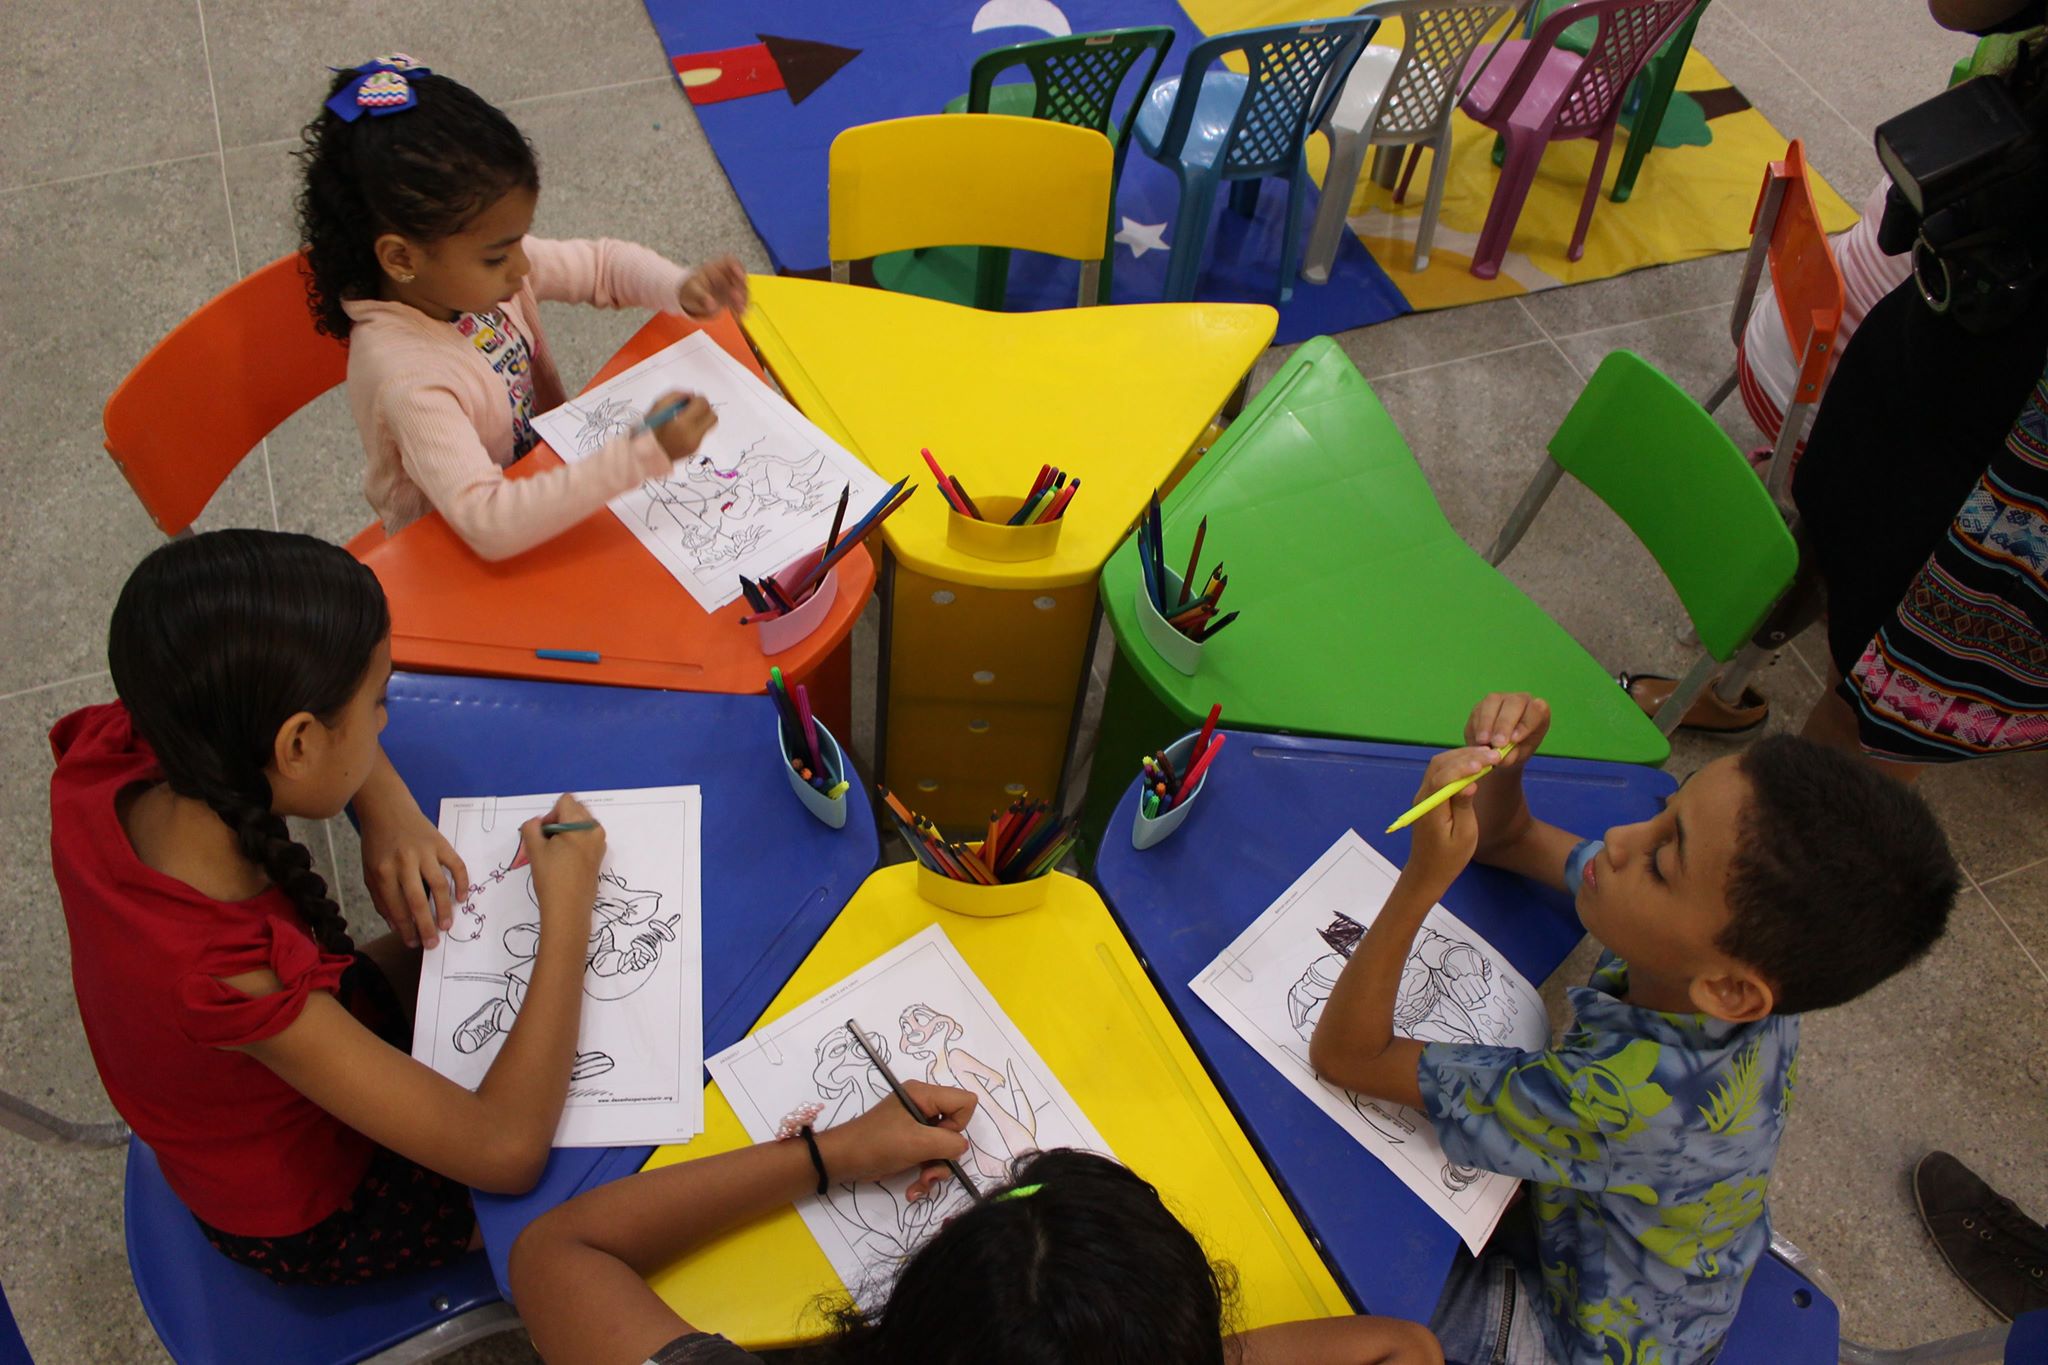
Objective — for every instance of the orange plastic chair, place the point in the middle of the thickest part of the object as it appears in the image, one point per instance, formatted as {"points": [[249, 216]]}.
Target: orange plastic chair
{"points": [[1786, 232], [224, 378]]}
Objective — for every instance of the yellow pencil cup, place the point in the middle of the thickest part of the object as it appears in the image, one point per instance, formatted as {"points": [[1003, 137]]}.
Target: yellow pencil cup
{"points": [[991, 539], [987, 902]]}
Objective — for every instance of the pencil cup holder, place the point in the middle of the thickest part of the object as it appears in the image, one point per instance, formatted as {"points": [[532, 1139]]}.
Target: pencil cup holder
{"points": [[1149, 830], [831, 810], [1177, 649], [991, 539], [987, 902], [785, 631]]}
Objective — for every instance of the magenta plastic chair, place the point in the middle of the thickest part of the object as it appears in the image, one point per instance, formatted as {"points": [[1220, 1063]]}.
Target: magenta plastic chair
{"points": [[1534, 93]]}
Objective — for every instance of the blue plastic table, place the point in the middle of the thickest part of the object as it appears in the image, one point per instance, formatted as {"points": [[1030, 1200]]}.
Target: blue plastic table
{"points": [[773, 877], [1271, 806]]}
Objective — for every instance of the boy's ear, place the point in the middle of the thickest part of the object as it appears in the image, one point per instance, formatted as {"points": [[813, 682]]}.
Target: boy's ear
{"points": [[296, 749], [1735, 994], [396, 257]]}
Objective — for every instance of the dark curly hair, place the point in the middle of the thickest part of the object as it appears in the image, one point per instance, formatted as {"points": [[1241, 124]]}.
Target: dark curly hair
{"points": [[425, 173], [219, 639], [1841, 876], [1090, 1268]]}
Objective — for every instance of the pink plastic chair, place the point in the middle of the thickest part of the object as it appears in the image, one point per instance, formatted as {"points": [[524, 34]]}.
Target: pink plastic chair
{"points": [[1534, 93]]}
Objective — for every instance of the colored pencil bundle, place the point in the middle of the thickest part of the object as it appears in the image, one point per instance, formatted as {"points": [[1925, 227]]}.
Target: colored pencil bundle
{"points": [[800, 736], [1165, 788], [1024, 842], [1047, 501], [771, 599], [1192, 614]]}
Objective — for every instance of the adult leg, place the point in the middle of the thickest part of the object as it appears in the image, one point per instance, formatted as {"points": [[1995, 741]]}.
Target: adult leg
{"points": [[1833, 722]]}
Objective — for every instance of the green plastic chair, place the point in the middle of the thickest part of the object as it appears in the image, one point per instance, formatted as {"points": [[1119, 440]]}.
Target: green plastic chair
{"points": [[1074, 80], [1364, 614], [1650, 99], [1662, 464]]}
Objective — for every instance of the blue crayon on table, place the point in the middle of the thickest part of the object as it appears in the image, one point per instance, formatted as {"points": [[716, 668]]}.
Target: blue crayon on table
{"points": [[570, 656]]}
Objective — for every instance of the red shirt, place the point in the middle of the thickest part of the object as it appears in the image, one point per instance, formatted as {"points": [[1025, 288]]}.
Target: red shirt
{"points": [[245, 1151]]}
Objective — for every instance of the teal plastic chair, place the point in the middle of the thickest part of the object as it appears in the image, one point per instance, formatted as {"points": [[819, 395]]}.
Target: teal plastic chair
{"points": [[1647, 101], [1077, 80], [1663, 465], [1209, 125]]}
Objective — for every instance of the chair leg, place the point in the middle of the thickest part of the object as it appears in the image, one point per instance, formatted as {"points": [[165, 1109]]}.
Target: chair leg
{"points": [[991, 278], [1408, 171], [1695, 681], [1525, 153], [1244, 196], [1439, 172], [1721, 391], [1190, 237], [1386, 166], [1591, 198], [1347, 160], [1656, 83], [1531, 502], [1290, 233]]}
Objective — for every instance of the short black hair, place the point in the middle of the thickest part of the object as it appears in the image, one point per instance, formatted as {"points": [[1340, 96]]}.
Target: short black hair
{"points": [[1083, 1265], [1841, 876]]}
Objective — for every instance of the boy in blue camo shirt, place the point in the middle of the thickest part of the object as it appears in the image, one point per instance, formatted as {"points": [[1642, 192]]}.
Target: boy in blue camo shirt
{"points": [[1787, 878]]}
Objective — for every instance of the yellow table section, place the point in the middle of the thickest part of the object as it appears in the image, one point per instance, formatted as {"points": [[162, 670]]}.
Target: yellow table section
{"points": [[1065, 976], [984, 659]]}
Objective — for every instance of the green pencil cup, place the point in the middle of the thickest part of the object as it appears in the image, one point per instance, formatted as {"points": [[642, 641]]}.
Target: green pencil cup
{"points": [[830, 810], [1149, 830], [1183, 654]]}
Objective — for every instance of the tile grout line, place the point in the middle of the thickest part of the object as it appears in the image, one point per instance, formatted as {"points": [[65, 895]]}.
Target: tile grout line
{"points": [[1723, 306], [94, 175], [1453, 360], [227, 200], [2006, 924], [586, 90], [1778, 57], [1570, 364], [61, 682], [2009, 872]]}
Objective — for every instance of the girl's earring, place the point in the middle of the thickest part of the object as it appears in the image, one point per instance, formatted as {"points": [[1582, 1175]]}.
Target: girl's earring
{"points": [[403, 279]]}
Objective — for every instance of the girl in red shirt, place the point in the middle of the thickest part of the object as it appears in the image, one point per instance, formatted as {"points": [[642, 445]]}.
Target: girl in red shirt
{"points": [[236, 1027]]}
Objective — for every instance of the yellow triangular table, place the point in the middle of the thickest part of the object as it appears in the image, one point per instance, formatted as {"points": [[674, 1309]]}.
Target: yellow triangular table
{"points": [[983, 659], [1071, 984]]}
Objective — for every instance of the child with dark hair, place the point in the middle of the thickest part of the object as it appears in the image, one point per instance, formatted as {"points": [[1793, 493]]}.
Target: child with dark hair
{"points": [[1787, 878], [1073, 1261], [416, 216], [236, 1027]]}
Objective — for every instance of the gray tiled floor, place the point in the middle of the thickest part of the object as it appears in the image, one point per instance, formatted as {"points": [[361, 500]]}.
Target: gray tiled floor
{"points": [[144, 164]]}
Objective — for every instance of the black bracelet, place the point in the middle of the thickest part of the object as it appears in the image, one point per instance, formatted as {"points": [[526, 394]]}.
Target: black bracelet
{"points": [[817, 1161]]}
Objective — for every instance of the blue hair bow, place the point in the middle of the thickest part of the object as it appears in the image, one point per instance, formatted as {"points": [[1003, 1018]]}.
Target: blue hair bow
{"points": [[380, 88]]}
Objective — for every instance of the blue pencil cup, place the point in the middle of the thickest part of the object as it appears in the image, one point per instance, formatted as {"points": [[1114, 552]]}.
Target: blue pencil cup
{"points": [[831, 810], [1149, 830]]}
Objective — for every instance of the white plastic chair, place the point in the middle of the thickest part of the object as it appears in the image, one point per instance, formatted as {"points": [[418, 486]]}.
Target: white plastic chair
{"points": [[1399, 97]]}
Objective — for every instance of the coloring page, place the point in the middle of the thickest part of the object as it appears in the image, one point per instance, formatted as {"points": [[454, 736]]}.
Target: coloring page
{"points": [[759, 493], [1271, 984], [638, 1076], [927, 1018]]}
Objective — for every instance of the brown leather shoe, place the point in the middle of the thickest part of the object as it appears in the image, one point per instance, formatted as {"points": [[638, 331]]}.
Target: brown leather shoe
{"points": [[1709, 714]]}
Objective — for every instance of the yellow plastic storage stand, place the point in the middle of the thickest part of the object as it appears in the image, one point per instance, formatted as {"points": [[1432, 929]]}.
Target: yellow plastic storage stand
{"points": [[1116, 395], [1065, 976]]}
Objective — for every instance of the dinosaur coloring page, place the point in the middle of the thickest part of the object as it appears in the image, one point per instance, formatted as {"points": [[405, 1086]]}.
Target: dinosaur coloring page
{"points": [[637, 1077], [1271, 984], [927, 1017], [757, 495]]}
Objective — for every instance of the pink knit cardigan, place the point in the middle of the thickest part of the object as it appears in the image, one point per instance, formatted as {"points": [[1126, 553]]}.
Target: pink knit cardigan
{"points": [[436, 421]]}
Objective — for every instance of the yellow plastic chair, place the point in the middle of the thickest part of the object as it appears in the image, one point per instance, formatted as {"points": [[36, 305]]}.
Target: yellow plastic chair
{"points": [[986, 180]]}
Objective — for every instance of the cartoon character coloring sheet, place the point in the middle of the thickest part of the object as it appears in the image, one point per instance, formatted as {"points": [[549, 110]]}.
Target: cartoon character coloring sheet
{"points": [[758, 494], [927, 1017], [638, 1073], [1270, 986]]}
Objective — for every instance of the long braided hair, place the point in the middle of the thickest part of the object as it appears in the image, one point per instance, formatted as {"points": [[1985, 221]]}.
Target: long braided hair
{"points": [[425, 173], [219, 639]]}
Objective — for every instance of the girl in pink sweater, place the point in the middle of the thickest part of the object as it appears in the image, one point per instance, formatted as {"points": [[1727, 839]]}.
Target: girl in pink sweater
{"points": [[415, 213]]}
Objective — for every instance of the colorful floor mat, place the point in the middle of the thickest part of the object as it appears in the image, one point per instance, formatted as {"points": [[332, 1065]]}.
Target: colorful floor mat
{"points": [[774, 81]]}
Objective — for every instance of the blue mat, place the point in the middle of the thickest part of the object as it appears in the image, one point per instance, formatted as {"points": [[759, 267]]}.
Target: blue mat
{"points": [[911, 57]]}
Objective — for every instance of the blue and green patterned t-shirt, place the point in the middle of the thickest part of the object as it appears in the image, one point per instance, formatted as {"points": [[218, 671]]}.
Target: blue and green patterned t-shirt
{"points": [[1648, 1141]]}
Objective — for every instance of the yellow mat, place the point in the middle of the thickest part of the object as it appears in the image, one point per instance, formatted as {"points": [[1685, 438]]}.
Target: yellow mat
{"points": [[1689, 201]]}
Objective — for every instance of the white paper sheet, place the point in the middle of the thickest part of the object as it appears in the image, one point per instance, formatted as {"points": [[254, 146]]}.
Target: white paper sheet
{"points": [[1270, 986], [639, 1074], [759, 493], [929, 1018]]}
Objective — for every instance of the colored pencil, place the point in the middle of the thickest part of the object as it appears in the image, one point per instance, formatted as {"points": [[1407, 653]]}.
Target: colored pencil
{"points": [[838, 518], [1443, 794], [1188, 579], [903, 1097]]}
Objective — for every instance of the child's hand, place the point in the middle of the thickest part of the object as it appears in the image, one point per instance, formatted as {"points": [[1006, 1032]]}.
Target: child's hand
{"points": [[404, 858], [681, 434], [1445, 838], [564, 866], [715, 285], [886, 1139], [1500, 719]]}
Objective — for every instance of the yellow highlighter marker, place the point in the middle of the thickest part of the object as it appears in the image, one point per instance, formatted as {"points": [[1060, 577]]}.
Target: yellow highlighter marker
{"points": [[1443, 794]]}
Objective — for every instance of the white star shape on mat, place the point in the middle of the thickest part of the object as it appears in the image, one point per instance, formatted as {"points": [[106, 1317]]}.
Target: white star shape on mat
{"points": [[1142, 237]]}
